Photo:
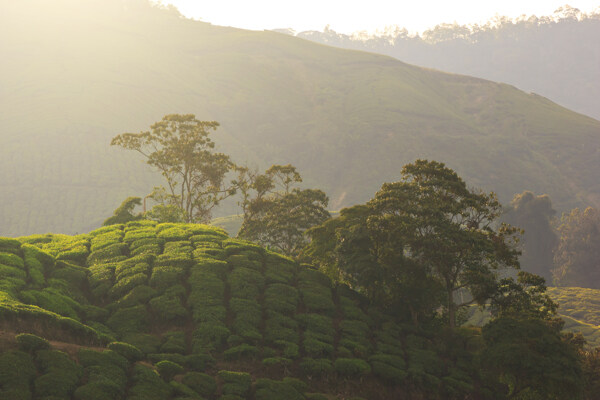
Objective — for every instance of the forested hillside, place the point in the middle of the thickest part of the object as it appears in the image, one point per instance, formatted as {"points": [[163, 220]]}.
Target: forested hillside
{"points": [[181, 311], [77, 73], [556, 56]]}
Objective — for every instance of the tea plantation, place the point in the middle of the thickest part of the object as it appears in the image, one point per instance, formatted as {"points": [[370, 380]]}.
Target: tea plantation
{"points": [[182, 311]]}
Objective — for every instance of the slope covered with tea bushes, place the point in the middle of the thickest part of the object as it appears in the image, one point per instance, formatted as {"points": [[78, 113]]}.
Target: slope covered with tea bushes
{"points": [[173, 311]]}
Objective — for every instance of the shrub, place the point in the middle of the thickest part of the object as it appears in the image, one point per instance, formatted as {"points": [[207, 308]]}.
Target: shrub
{"points": [[12, 260], [143, 341], [281, 298], [127, 283], [241, 351], [106, 358], [132, 319], [199, 361], [107, 254], [17, 372], [312, 277], [147, 385], [74, 275], [241, 260], [134, 265], [132, 236], [173, 234], [166, 276], [276, 362], [202, 384], [281, 327], [318, 299], [60, 374], [209, 314], [267, 389], [317, 348], [388, 373], [210, 336], [138, 295], [146, 249], [168, 306], [175, 343], [246, 283], [173, 357], [316, 366], [288, 349], [351, 366], [127, 350], [168, 369], [31, 343], [105, 239], [316, 396], [235, 383], [9, 245], [319, 325]]}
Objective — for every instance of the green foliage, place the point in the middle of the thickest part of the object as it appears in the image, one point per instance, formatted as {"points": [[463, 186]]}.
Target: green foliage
{"points": [[127, 350], [168, 307], [132, 319], [235, 383], [59, 374], [180, 147], [243, 351], [111, 252], [577, 253], [174, 343], [145, 342], [168, 369], [268, 389], [31, 343], [202, 384], [351, 367], [281, 298], [316, 367], [147, 385], [246, 283], [17, 372], [209, 336], [278, 215]]}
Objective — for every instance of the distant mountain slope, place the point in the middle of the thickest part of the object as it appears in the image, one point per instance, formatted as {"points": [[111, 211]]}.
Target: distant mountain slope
{"points": [[76, 73], [556, 56]]}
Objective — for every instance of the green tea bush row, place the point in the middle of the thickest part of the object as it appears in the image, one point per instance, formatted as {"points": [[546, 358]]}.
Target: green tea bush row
{"points": [[132, 319], [168, 369], [101, 278], [280, 327], [351, 311], [317, 299], [59, 374], [351, 367], [166, 276], [147, 385], [153, 249], [236, 246], [168, 306], [130, 352], [174, 342], [105, 373], [31, 343], [209, 252], [17, 372], [112, 252], [9, 245], [124, 285], [242, 351], [138, 295], [246, 283], [38, 263], [11, 260], [281, 298], [52, 300], [268, 389], [173, 234], [178, 248], [247, 317], [105, 239], [235, 383], [202, 384], [134, 235], [210, 336], [242, 261], [140, 223], [316, 367]]}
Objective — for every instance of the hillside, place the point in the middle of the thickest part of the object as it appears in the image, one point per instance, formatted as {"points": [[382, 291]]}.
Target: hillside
{"points": [[76, 73], [234, 318], [556, 56]]}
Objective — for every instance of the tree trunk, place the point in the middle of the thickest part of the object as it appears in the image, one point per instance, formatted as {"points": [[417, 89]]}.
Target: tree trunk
{"points": [[451, 310]]}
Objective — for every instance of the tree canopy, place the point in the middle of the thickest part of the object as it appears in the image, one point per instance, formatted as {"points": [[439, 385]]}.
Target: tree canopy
{"points": [[428, 228], [278, 214], [124, 213], [180, 147]]}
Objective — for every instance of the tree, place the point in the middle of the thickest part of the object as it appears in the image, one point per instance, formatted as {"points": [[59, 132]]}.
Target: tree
{"points": [[525, 349], [533, 214], [124, 213], [278, 214], [577, 257], [179, 146], [430, 224], [351, 250]]}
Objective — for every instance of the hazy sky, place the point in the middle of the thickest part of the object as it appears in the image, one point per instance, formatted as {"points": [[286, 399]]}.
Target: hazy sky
{"points": [[349, 16]]}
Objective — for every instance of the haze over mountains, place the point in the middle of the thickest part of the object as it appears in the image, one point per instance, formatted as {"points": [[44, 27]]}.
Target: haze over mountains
{"points": [[76, 73], [556, 56]]}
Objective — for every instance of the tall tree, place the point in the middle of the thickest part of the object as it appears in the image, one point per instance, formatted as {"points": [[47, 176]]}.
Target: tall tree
{"points": [[278, 214], [577, 257], [534, 214], [179, 146], [431, 222]]}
